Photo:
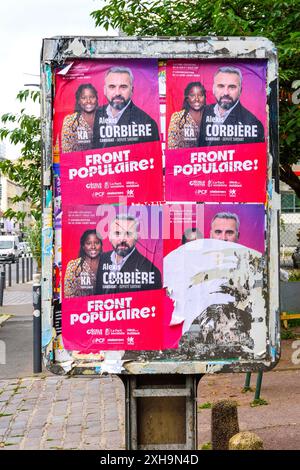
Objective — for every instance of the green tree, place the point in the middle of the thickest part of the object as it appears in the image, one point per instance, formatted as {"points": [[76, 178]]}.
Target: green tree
{"points": [[24, 130], [278, 20]]}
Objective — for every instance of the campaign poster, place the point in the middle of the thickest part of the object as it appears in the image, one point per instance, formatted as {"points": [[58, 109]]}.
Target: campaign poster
{"points": [[217, 305], [106, 125], [216, 122], [112, 278]]}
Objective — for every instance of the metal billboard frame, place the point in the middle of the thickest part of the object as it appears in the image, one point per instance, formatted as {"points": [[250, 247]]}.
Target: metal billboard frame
{"points": [[58, 49]]}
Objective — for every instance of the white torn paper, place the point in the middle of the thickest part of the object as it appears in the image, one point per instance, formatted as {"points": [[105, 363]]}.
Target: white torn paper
{"points": [[221, 285]]}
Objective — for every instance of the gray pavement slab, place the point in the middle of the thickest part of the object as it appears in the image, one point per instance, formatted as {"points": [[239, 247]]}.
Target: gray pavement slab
{"points": [[18, 297], [17, 300], [43, 432]]}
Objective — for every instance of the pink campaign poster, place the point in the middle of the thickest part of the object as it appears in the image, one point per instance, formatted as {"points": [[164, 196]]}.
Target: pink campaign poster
{"points": [[106, 126], [213, 277], [216, 131], [138, 278], [112, 278]]}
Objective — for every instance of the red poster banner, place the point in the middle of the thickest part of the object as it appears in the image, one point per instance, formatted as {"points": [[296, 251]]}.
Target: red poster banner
{"points": [[216, 148], [217, 174], [118, 322]]}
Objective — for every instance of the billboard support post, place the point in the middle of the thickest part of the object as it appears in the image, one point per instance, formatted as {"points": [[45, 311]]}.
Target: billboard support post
{"points": [[37, 327], [161, 411]]}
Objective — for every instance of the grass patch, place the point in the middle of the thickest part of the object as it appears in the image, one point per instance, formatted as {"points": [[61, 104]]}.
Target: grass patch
{"points": [[205, 406], [5, 414], [258, 402], [247, 389], [206, 446], [294, 276], [287, 334]]}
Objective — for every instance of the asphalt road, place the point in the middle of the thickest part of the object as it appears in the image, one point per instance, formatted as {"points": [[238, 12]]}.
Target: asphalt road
{"points": [[16, 337]]}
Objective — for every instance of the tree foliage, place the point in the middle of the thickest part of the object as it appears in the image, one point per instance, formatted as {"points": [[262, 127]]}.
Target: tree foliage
{"points": [[278, 20], [24, 130], [33, 235]]}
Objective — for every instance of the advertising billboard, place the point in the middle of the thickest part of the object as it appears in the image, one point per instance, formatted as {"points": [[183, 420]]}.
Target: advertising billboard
{"points": [[164, 206]]}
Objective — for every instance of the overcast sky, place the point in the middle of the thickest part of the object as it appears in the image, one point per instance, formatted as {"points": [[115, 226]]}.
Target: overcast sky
{"points": [[23, 24]]}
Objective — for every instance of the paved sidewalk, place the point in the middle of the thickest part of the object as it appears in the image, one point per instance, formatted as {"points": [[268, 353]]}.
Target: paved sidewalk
{"points": [[62, 413], [17, 300], [19, 297], [57, 412]]}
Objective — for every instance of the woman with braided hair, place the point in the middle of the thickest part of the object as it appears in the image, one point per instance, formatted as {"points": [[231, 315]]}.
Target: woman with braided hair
{"points": [[80, 277], [184, 125], [77, 129]]}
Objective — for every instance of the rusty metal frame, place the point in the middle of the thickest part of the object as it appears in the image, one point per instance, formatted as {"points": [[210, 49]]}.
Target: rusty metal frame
{"points": [[58, 49]]}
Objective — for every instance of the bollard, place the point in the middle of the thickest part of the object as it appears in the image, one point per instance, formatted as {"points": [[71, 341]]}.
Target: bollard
{"points": [[17, 271], [9, 274], [37, 328], [27, 269], [31, 268], [4, 277], [23, 273], [224, 423], [2, 282]]}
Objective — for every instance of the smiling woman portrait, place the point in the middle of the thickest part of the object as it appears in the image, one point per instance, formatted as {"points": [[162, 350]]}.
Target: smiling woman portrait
{"points": [[184, 125], [80, 277], [77, 129]]}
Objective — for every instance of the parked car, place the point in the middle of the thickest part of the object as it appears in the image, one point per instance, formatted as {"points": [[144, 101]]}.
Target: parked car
{"points": [[9, 249], [296, 257], [24, 248]]}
